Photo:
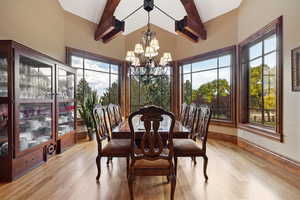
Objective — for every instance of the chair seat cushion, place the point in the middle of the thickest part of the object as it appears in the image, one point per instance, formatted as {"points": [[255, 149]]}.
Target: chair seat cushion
{"points": [[117, 147], [186, 147], [152, 164]]}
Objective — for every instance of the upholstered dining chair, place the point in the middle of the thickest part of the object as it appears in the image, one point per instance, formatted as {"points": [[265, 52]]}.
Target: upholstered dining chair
{"points": [[190, 147], [151, 157], [191, 121], [184, 113], [113, 147]]}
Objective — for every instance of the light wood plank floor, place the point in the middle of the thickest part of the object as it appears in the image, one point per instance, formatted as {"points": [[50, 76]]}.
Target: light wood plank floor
{"points": [[233, 175]]}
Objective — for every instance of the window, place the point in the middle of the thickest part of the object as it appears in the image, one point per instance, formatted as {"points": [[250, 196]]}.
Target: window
{"points": [[261, 85], [152, 89], [208, 80], [96, 75]]}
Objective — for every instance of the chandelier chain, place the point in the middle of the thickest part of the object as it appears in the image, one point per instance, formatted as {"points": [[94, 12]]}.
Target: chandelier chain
{"points": [[165, 13]]}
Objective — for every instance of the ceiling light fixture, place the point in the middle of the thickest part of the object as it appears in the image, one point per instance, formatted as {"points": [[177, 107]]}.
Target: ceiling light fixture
{"points": [[144, 57]]}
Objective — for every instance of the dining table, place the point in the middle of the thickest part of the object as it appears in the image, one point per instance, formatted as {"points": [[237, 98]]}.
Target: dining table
{"points": [[122, 131]]}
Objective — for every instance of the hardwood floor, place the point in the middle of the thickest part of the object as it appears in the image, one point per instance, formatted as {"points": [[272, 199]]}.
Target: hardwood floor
{"points": [[233, 175]]}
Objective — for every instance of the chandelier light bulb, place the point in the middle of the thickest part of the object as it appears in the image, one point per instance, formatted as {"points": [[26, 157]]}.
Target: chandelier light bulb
{"points": [[136, 62], [150, 53], [139, 49], [162, 61], [154, 44], [130, 56], [168, 57]]}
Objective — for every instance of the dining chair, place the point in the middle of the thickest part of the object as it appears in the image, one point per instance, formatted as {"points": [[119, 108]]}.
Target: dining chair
{"points": [[184, 113], [151, 157], [190, 147], [113, 147], [191, 117], [118, 114], [111, 116], [192, 121]]}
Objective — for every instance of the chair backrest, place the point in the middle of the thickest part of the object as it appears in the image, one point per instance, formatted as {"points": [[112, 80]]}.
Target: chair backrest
{"points": [[152, 146], [184, 113], [203, 118], [191, 120], [118, 114], [111, 116], [100, 122]]}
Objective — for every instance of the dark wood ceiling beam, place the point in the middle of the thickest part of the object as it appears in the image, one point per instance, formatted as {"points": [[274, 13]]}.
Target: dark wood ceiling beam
{"points": [[109, 27], [191, 26], [183, 32]]}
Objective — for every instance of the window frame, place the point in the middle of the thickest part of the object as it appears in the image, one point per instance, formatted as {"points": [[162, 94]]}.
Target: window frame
{"points": [[95, 57], [210, 55], [275, 27]]}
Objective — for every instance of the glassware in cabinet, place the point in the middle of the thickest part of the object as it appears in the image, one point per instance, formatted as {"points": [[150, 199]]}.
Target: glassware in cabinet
{"points": [[35, 79], [35, 125], [3, 77], [66, 119], [66, 84], [3, 130]]}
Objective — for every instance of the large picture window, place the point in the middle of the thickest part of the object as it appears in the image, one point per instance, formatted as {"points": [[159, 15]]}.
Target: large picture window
{"points": [[262, 62], [151, 89], [96, 75], [261, 81], [208, 80]]}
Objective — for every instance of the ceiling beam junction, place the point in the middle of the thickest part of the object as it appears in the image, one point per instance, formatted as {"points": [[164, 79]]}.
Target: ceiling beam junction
{"points": [[109, 26], [191, 26]]}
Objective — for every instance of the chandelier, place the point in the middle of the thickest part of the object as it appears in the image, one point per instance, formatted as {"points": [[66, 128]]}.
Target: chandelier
{"points": [[144, 59]]}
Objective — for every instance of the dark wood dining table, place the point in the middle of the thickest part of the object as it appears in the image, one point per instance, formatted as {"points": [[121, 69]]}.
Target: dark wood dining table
{"points": [[122, 131]]}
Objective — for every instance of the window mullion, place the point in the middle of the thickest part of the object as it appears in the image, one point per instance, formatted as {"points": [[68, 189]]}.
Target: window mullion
{"points": [[218, 89], [263, 83], [191, 89]]}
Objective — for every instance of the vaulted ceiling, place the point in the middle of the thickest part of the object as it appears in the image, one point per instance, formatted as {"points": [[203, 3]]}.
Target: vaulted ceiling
{"points": [[92, 10]]}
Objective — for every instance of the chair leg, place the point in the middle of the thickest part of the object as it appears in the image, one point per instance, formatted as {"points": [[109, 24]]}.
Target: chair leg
{"points": [[109, 159], [195, 160], [98, 163], [107, 162], [175, 161], [205, 167], [127, 166], [130, 186], [173, 186]]}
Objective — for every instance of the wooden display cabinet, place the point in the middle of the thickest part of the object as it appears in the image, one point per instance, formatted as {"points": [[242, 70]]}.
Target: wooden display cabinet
{"points": [[33, 90], [66, 107]]}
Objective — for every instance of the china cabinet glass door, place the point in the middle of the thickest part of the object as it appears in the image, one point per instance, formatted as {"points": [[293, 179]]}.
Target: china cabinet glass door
{"points": [[35, 79], [35, 102], [66, 100], [3, 76], [35, 124], [66, 118], [3, 130]]}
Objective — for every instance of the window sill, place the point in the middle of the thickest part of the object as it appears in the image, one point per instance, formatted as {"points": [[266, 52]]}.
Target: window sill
{"points": [[262, 131], [219, 122]]}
